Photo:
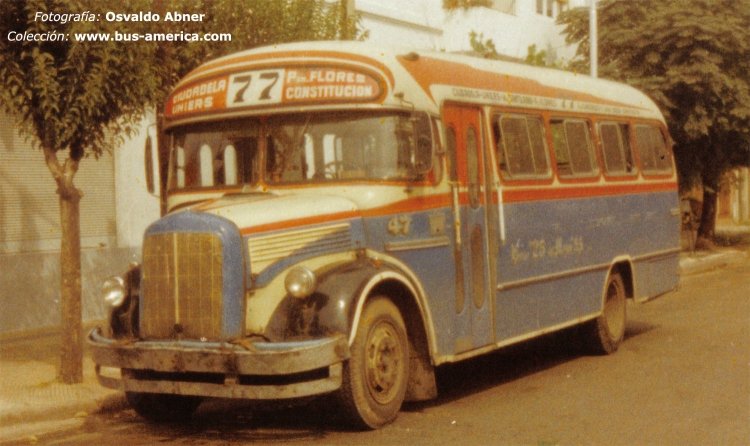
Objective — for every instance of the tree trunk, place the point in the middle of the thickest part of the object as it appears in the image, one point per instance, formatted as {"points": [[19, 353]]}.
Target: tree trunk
{"points": [[707, 228], [71, 358], [71, 361]]}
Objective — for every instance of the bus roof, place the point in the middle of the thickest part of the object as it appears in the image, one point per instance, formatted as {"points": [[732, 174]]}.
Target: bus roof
{"points": [[345, 74]]}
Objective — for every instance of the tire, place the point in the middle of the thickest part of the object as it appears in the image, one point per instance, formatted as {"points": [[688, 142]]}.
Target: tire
{"points": [[163, 407], [376, 375], [605, 333]]}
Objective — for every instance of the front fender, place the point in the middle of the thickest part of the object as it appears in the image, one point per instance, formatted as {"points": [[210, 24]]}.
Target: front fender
{"points": [[123, 320], [331, 309]]}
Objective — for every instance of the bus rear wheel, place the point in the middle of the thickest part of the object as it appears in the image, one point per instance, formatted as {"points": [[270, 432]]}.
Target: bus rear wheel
{"points": [[605, 333], [376, 374]]}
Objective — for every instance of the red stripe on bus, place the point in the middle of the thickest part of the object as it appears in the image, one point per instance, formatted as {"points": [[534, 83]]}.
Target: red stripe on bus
{"points": [[409, 205], [561, 193], [418, 204]]}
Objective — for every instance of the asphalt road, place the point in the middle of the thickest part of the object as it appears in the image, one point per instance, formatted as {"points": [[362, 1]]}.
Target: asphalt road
{"points": [[682, 377]]}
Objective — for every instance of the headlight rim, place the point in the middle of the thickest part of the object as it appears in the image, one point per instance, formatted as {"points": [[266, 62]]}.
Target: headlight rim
{"points": [[114, 291], [300, 282]]}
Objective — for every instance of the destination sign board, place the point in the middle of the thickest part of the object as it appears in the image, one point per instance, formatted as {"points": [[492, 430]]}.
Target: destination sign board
{"points": [[274, 86]]}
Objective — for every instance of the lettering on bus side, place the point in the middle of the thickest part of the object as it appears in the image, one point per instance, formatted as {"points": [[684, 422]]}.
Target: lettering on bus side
{"points": [[539, 249]]}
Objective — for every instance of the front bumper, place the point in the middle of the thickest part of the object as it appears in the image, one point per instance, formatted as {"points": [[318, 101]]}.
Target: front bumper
{"points": [[250, 370]]}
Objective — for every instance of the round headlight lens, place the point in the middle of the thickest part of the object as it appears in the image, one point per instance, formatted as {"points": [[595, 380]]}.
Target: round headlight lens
{"points": [[300, 282], [113, 291]]}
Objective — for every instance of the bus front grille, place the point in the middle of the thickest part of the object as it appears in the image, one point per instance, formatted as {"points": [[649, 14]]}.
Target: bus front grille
{"points": [[182, 286]]}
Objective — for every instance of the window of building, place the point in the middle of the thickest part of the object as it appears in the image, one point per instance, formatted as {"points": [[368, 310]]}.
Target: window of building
{"points": [[520, 145], [618, 158], [652, 148], [551, 8], [574, 152], [29, 206], [504, 6]]}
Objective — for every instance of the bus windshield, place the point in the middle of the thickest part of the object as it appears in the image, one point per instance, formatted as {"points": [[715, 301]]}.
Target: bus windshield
{"points": [[301, 148]]}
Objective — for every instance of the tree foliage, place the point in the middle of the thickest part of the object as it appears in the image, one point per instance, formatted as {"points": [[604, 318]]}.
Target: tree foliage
{"points": [[253, 23], [487, 49], [68, 94], [693, 58], [482, 46]]}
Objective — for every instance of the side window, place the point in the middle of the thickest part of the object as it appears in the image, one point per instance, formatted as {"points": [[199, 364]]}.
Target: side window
{"points": [[618, 158], [450, 136], [521, 149], [573, 149], [423, 149], [179, 163], [472, 166], [437, 166], [652, 148], [230, 165], [206, 165]]}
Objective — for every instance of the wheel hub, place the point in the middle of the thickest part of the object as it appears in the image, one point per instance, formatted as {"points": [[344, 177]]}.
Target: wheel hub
{"points": [[383, 363], [614, 309]]}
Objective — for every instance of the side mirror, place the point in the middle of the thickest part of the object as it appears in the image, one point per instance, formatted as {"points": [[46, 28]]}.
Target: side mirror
{"points": [[151, 161]]}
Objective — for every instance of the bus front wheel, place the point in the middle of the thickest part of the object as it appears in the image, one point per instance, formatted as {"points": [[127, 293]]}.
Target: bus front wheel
{"points": [[376, 374], [605, 333]]}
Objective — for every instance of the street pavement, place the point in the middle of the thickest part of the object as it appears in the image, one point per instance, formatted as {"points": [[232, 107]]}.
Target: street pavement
{"points": [[34, 403]]}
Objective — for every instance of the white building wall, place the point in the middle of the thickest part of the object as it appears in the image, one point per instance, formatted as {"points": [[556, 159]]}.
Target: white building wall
{"points": [[136, 208], [741, 196], [512, 34], [513, 25], [416, 24]]}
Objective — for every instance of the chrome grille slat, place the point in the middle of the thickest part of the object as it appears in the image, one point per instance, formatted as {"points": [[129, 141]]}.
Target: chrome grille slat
{"points": [[268, 249], [182, 286], [272, 252]]}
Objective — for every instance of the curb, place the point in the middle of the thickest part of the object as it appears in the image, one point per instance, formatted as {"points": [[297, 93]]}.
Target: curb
{"points": [[60, 402], [700, 262], [59, 407]]}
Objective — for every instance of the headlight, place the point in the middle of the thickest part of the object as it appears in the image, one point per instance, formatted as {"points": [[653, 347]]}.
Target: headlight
{"points": [[300, 282], [113, 291]]}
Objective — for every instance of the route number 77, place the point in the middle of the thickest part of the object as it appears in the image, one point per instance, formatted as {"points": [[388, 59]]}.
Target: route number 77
{"points": [[254, 88]]}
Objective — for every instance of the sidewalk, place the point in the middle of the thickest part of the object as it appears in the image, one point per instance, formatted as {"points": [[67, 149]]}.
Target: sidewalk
{"points": [[702, 261], [33, 402], [737, 237]]}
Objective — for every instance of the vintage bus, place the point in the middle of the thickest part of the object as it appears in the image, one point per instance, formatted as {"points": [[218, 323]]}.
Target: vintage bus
{"points": [[343, 219]]}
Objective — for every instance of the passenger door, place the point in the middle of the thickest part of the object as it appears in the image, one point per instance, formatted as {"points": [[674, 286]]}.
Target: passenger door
{"points": [[465, 147]]}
